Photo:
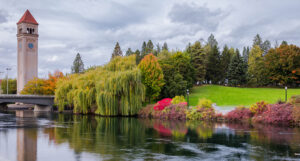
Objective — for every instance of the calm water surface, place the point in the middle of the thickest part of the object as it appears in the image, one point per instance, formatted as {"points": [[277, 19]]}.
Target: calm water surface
{"points": [[63, 137]]}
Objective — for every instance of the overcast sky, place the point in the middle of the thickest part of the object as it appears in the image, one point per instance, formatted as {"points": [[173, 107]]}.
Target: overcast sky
{"points": [[92, 27]]}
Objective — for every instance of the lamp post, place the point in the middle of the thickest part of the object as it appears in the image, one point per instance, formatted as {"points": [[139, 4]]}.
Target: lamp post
{"points": [[7, 69], [1, 84], [285, 93], [187, 94]]}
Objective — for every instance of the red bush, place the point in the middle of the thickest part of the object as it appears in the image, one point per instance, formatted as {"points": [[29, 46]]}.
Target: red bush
{"points": [[239, 114], [160, 105], [173, 112], [276, 114]]}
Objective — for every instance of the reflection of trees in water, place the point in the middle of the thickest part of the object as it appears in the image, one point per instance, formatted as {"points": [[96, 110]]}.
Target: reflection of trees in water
{"points": [[117, 138], [204, 129], [102, 135]]}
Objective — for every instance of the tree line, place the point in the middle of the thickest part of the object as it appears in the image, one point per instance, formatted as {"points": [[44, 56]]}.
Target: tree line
{"points": [[258, 65]]}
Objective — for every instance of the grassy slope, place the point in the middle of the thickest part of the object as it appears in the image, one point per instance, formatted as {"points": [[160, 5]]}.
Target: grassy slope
{"points": [[229, 96]]}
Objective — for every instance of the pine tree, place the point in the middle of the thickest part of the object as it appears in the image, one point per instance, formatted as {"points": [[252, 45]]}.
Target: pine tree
{"points": [[284, 42], [236, 73], [138, 56], [149, 47], [129, 52], [257, 40], [213, 66], [117, 51], [78, 66], [246, 51], [158, 49], [225, 61], [144, 50], [165, 46], [211, 41], [198, 60]]}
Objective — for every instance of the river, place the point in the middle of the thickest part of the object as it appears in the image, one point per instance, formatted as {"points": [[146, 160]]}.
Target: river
{"points": [[64, 137]]}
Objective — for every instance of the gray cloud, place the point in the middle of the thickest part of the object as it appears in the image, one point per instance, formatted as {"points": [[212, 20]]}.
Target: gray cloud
{"points": [[191, 14], [92, 27]]}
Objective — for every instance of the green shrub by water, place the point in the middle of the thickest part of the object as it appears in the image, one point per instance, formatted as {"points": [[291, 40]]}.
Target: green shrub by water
{"points": [[110, 90], [204, 103]]}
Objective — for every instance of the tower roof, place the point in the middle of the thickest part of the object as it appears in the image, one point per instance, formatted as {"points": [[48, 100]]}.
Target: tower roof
{"points": [[27, 18]]}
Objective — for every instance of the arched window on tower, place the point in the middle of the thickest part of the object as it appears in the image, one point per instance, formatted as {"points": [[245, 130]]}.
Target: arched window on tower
{"points": [[27, 31]]}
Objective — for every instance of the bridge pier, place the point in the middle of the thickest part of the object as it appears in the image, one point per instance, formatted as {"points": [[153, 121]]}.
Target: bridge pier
{"points": [[3, 106], [41, 108]]}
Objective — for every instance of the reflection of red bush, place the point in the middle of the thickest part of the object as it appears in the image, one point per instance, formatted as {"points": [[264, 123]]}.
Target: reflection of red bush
{"points": [[162, 130], [160, 105]]}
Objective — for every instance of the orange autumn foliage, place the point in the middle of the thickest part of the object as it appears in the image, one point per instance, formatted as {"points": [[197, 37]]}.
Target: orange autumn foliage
{"points": [[39, 86]]}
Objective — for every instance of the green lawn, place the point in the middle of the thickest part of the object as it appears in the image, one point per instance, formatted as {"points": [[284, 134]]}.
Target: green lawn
{"points": [[232, 96]]}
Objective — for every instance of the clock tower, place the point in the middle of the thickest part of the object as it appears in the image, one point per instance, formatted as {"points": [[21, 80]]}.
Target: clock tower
{"points": [[27, 49]]}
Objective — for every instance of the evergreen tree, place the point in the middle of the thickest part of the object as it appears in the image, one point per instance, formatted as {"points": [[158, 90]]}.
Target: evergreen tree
{"points": [[158, 49], [144, 50], [78, 66], [213, 67], [236, 72], [257, 40], [198, 60], [284, 42], [149, 47], [211, 41], [129, 52], [138, 56], [165, 46], [265, 46], [117, 51], [174, 82], [246, 51], [225, 61]]}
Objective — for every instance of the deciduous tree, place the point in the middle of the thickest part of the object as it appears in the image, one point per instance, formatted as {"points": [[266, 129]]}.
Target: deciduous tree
{"points": [[152, 76]]}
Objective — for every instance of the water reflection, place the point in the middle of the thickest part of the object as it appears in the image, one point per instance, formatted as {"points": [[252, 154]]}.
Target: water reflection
{"points": [[94, 138], [26, 144]]}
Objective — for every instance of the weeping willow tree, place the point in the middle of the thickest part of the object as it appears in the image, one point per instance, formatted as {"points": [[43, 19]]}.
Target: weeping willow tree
{"points": [[110, 90]]}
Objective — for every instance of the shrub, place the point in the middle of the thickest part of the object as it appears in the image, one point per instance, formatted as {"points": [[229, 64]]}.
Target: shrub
{"points": [[239, 114], [178, 99], [294, 99], [276, 114], [146, 111], [205, 103], [296, 113], [197, 113], [160, 105], [258, 108], [173, 112]]}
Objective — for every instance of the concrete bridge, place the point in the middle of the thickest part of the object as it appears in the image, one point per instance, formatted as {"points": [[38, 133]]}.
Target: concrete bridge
{"points": [[42, 103]]}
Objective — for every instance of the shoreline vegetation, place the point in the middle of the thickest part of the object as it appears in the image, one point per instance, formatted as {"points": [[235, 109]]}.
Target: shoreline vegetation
{"points": [[280, 113]]}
